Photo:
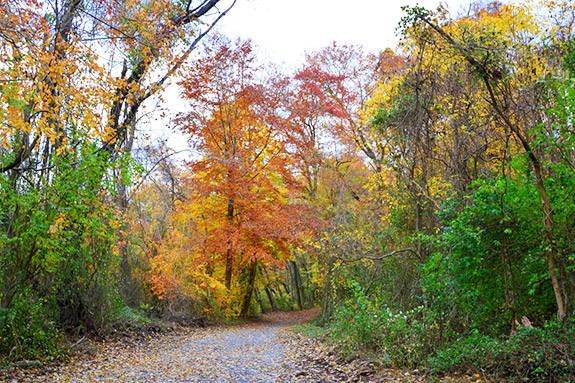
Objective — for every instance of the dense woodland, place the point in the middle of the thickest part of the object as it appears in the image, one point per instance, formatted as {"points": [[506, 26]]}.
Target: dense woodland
{"points": [[423, 196]]}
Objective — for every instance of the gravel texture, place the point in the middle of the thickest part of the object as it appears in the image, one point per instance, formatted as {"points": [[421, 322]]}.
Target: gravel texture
{"points": [[258, 352]]}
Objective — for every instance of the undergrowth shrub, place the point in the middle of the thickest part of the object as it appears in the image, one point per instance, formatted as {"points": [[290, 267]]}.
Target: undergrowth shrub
{"points": [[59, 262], [401, 339], [26, 331], [412, 339], [532, 354]]}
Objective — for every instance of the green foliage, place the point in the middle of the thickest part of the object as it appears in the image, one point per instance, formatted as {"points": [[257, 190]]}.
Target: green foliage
{"points": [[311, 330], [128, 316], [402, 339], [569, 57], [58, 264], [417, 339], [27, 332], [532, 354], [489, 262], [487, 272], [465, 353]]}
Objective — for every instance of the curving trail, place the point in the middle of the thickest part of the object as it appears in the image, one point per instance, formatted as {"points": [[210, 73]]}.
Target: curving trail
{"points": [[259, 352], [254, 352]]}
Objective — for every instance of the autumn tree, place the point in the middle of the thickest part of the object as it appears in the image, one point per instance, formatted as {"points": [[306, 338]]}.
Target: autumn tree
{"points": [[343, 77], [74, 76], [242, 186], [508, 93]]}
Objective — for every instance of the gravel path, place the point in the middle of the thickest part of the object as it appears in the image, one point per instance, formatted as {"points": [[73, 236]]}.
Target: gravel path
{"points": [[260, 352], [255, 352]]}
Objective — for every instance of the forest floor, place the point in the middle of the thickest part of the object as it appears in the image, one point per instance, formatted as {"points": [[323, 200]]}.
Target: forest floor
{"points": [[262, 351]]}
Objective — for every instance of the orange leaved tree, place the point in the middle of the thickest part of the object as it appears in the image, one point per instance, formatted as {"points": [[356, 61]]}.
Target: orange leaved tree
{"points": [[240, 214]]}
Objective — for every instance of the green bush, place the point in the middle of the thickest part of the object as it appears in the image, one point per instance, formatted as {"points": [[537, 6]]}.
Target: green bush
{"points": [[415, 338], [58, 269], [532, 354], [26, 332], [401, 339], [489, 267], [469, 352]]}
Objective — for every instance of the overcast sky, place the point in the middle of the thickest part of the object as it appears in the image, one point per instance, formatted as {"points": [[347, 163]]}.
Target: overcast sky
{"points": [[283, 30]]}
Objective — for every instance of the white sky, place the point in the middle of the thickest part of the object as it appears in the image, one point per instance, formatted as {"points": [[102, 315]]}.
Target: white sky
{"points": [[283, 30]]}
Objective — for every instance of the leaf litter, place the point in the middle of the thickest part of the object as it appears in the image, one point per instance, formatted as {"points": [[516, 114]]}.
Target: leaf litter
{"points": [[266, 351]]}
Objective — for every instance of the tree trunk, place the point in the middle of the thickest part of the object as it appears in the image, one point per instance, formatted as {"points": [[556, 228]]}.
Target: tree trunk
{"points": [[249, 290], [326, 299], [271, 299], [229, 252], [509, 293], [549, 224], [260, 301], [296, 279]]}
